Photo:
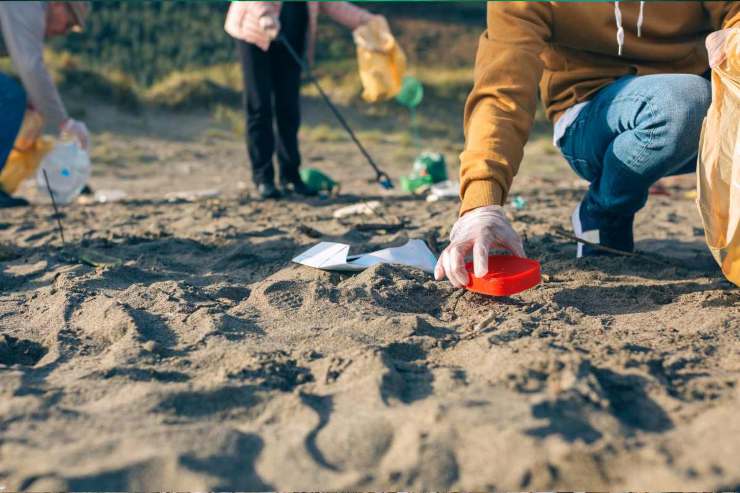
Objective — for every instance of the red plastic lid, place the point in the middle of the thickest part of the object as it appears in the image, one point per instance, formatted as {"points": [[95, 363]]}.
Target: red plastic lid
{"points": [[507, 275]]}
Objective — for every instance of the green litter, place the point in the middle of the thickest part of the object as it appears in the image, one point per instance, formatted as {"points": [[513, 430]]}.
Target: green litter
{"points": [[319, 181], [411, 93], [413, 184], [429, 168], [90, 257]]}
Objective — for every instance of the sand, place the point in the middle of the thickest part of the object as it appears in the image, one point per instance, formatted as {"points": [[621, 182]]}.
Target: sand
{"points": [[208, 361]]}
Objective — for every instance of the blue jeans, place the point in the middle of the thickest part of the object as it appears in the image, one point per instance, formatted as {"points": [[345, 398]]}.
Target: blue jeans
{"points": [[632, 133], [12, 109]]}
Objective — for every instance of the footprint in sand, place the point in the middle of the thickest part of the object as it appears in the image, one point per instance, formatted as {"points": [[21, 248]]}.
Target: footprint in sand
{"points": [[284, 295], [20, 351]]}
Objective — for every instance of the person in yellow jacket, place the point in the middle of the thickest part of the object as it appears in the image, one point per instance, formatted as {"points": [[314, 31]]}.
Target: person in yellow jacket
{"points": [[626, 87]]}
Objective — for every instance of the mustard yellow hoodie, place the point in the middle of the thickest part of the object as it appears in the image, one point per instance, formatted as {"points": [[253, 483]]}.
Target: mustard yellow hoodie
{"points": [[571, 51]]}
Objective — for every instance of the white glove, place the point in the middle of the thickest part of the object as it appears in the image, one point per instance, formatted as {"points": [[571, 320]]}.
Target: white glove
{"points": [[76, 130], [238, 19], [478, 230], [270, 25], [718, 45]]}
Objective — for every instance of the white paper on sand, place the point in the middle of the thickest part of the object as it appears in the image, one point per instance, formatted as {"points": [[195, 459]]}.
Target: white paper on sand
{"points": [[335, 256]]}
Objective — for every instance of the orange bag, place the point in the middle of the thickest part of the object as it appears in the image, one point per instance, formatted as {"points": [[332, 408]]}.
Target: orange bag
{"points": [[22, 164], [381, 62], [718, 169]]}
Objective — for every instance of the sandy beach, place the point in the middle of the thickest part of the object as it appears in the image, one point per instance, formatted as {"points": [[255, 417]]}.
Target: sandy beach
{"points": [[206, 360]]}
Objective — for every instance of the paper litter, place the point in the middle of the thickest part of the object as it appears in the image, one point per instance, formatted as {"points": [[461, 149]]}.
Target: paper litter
{"points": [[335, 256]]}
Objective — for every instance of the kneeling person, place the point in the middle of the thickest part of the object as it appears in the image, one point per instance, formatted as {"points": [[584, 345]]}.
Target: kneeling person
{"points": [[625, 85]]}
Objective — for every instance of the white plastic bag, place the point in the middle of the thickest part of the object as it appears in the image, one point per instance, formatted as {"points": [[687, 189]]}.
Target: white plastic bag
{"points": [[67, 167]]}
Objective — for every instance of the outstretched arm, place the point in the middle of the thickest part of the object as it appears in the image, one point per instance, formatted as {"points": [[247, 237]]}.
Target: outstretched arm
{"points": [[23, 26], [348, 15], [498, 117], [500, 109]]}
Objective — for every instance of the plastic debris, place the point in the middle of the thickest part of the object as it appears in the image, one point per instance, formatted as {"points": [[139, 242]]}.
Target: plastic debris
{"points": [[67, 167], [363, 208], [429, 168], [318, 181], [444, 190], [113, 195], [519, 203]]}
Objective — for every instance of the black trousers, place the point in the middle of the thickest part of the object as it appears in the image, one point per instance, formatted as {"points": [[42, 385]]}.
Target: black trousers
{"points": [[272, 82]]}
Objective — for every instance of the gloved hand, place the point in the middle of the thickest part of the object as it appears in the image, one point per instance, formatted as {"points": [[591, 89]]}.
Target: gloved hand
{"points": [[381, 22], [76, 130], [270, 25], [373, 35], [478, 230], [718, 45]]}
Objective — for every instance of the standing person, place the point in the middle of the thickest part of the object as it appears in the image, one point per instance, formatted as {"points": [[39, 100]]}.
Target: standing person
{"points": [[25, 26], [622, 83], [272, 80]]}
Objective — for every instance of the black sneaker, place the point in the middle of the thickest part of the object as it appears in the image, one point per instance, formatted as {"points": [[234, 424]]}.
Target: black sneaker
{"points": [[613, 233], [6, 201], [299, 188], [268, 191]]}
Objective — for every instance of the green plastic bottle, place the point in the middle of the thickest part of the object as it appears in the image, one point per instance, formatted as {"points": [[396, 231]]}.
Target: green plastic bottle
{"points": [[318, 181]]}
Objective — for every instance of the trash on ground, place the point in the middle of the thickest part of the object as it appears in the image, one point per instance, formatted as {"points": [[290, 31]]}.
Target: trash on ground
{"points": [[429, 168], [507, 275], [335, 256], [193, 195], [113, 195], [363, 208], [319, 182], [444, 190], [519, 203], [67, 167], [718, 168], [416, 184], [90, 257]]}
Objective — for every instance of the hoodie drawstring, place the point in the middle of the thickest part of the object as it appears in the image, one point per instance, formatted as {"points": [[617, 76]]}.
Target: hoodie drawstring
{"points": [[620, 27]]}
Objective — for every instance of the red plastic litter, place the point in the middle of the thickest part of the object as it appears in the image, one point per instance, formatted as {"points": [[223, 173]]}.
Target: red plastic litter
{"points": [[507, 275]]}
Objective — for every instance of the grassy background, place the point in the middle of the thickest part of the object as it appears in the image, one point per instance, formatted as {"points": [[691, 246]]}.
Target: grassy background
{"points": [[176, 56]]}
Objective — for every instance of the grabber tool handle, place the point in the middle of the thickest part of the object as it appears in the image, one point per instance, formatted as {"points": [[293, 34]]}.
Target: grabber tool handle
{"points": [[381, 176]]}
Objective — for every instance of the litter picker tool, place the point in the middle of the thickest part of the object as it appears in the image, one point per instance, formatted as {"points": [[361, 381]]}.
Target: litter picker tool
{"points": [[381, 176], [56, 209]]}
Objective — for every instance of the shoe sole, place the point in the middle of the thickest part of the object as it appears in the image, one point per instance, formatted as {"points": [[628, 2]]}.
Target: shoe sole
{"points": [[575, 220], [591, 236]]}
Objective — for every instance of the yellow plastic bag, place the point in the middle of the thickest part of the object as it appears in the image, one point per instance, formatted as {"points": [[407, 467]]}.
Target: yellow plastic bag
{"points": [[22, 164], [381, 62], [718, 176]]}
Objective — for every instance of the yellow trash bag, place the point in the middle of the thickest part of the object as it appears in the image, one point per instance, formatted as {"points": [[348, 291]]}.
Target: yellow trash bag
{"points": [[718, 175], [28, 151], [382, 63], [22, 164]]}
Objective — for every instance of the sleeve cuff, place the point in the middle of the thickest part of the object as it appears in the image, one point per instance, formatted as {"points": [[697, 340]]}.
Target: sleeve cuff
{"points": [[481, 193]]}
